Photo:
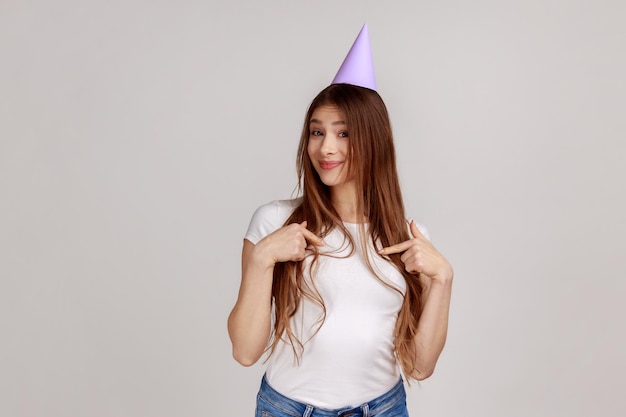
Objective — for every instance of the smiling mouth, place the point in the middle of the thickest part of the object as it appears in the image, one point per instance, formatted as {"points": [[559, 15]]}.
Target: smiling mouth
{"points": [[329, 165]]}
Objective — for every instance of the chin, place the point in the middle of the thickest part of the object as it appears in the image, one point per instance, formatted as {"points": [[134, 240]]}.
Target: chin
{"points": [[330, 182]]}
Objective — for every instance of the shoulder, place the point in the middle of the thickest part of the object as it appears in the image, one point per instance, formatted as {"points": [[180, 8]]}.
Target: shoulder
{"points": [[269, 217], [277, 208]]}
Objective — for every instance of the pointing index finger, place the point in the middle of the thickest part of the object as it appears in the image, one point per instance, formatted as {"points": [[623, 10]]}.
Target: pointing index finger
{"points": [[397, 248], [310, 236], [313, 238]]}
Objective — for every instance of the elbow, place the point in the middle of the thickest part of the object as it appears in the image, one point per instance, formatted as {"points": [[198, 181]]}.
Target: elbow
{"points": [[422, 375], [245, 359]]}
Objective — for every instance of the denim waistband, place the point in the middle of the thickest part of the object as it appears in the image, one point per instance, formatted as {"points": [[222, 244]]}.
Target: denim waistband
{"points": [[298, 409]]}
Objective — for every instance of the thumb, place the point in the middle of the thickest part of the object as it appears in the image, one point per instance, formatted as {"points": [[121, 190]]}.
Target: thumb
{"points": [[415, 231]]}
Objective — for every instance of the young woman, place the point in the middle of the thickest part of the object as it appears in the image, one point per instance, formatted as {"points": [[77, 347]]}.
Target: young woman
{"points": [[342, 292]]}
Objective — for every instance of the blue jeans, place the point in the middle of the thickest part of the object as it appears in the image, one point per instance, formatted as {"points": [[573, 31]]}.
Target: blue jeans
{"points": [[273, 404]]}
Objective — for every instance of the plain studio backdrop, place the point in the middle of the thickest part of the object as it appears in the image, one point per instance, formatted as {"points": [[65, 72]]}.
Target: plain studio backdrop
{"points": [[138, 137]]}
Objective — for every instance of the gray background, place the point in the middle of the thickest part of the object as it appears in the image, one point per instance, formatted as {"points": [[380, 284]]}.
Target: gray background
{"points": [[137, 138]]}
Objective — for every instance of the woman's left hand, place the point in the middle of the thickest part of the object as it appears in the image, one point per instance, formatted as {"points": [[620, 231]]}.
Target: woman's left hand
{"points": [[420, 256]]}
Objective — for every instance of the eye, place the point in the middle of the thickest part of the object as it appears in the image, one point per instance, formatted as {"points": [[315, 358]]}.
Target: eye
{"points": [[343, 134], [316, 132]]}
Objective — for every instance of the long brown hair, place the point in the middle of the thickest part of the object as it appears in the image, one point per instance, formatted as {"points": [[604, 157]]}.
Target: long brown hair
{"points": [[380, 201]]}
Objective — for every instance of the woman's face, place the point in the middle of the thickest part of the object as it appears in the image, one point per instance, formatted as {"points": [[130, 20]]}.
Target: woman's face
{"points": [[329, 146]]}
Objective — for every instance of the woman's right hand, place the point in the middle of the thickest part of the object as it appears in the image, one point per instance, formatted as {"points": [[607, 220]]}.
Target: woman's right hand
{"points": [[288, 243], [249, 323]]}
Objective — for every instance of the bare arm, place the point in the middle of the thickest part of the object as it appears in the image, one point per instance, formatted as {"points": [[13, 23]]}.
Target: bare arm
{"points": [[433, 324], [250, 319], [436, 274]]}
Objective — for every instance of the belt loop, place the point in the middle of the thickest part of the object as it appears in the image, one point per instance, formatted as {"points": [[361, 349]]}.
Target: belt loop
{"points": [[308, 411], [366, 410]]}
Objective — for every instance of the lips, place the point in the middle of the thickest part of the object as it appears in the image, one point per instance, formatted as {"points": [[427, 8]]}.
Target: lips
{"points": [[330, 164]]}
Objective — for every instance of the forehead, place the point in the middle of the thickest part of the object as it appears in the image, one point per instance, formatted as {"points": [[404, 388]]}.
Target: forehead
{"points": [[327, 114]]}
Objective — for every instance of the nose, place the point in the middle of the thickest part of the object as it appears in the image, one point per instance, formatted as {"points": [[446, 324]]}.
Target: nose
{"points": [[329, 145]]}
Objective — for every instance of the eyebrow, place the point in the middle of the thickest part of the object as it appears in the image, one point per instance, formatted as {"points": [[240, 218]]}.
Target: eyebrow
{"points": [[339, 122]]}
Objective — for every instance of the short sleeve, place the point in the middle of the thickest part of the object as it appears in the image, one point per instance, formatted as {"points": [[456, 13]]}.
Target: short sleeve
{"points": [[268, 218]]}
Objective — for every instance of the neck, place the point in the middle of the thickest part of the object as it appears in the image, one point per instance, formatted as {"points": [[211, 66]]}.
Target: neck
{"points": [[344, 201]]}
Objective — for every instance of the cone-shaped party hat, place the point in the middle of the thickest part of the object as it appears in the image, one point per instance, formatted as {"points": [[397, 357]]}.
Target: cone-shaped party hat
{"points": [[358, 66]]}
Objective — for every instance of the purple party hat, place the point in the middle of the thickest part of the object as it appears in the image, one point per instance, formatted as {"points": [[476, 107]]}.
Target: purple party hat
{"points": [[358, 67]]}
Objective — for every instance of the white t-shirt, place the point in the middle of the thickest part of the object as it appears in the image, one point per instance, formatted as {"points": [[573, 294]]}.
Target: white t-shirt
{"points": [[350, 360]]}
